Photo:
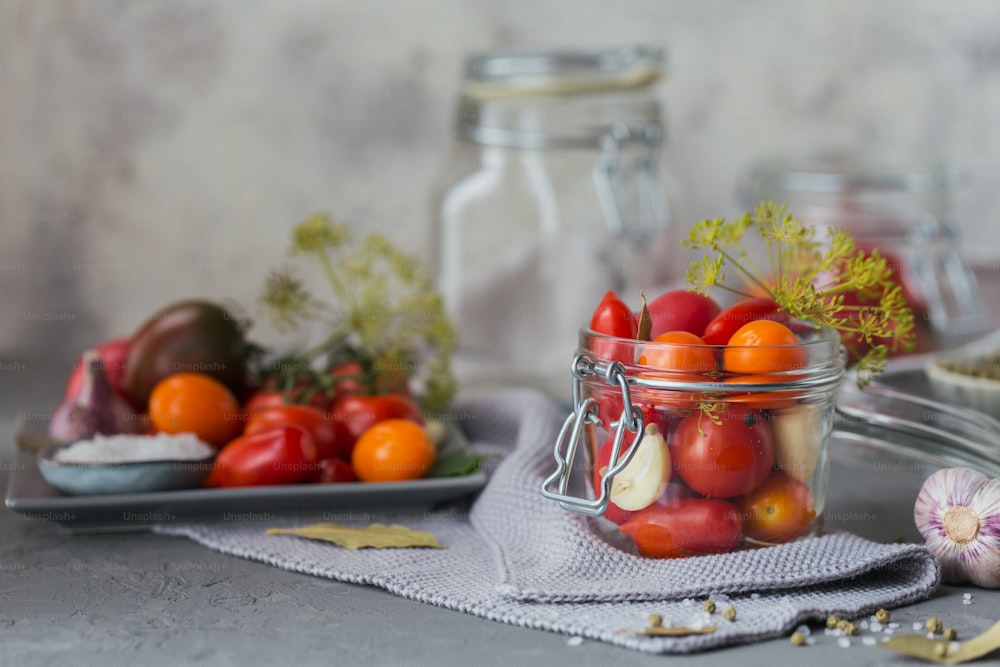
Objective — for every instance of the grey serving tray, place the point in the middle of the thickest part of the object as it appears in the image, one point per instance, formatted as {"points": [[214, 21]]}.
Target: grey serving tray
{"points": [[29, 494]]}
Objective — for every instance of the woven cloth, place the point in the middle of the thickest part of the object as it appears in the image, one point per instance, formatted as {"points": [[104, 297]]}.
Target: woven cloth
{"points": [[521, 559]]}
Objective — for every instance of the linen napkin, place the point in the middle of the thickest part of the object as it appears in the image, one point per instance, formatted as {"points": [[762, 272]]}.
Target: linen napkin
{"points": [[521, 559]]}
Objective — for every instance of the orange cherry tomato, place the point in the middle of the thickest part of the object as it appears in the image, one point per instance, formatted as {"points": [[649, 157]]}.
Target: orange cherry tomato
{"points": [[195, 403], [393, 450], [761, 400], [764, 346], [779, 510], [680, 351]]}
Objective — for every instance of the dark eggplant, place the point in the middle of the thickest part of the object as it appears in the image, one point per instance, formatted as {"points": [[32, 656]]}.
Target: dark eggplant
{"points": [[187, 336]]}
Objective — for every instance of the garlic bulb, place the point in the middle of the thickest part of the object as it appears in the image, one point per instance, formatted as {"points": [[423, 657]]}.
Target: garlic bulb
{"points": [[96, 410], [958, 513]]}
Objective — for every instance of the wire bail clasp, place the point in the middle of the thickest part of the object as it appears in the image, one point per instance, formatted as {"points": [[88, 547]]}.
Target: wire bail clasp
{"points": [[586, 411]]}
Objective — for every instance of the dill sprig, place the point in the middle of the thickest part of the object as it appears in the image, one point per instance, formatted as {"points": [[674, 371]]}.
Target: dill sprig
{"points": [[385, 309], [808, 277]]}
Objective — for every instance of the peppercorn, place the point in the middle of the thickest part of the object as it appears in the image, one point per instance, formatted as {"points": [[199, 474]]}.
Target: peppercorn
{"points": [[882, 616], [729, 613], [709, 606], [655, 621], [847, 627], [831, 621], [797, 639], [934, 624], [950, 634]]}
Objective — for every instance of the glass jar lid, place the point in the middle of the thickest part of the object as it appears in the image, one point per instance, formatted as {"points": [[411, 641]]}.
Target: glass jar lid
{"points": [[510, 73]]}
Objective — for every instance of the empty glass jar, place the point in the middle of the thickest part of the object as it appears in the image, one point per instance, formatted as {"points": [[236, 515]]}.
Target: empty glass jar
{"points": [[551, 196], [905, 213]]}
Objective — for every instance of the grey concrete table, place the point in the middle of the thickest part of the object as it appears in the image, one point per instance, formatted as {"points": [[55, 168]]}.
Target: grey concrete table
{"points": [[146, 599]]}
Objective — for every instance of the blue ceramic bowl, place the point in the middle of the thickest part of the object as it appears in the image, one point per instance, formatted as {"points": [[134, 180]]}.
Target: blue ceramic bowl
{"points": [[87, 479]]}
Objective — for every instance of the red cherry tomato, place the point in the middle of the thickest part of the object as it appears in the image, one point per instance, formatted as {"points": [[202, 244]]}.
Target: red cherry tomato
{"points": [[283, 455], [726, 323], [681, 310], [613, 317], [764, 346], [353, 415], [315, 421], [723, 460], [779, 510], [348, 381], [272, 398], [680, 351], [333, 471], [685, 527], [113, 354]]}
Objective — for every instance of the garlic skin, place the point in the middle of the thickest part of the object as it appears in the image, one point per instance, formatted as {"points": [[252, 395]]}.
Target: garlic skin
{"points": [[96, 410], [958, 513]]}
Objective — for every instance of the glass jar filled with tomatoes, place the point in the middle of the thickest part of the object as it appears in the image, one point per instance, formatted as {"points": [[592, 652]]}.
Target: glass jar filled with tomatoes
{"points": [[702, 443]]}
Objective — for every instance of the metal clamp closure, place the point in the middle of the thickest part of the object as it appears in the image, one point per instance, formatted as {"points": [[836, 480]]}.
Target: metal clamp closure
{"points": [[586, 411], [646, 214]]}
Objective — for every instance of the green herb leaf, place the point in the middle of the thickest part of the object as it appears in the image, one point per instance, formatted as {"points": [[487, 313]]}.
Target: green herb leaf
{"points": [[384, 308], [456, 463], [808, 277]]}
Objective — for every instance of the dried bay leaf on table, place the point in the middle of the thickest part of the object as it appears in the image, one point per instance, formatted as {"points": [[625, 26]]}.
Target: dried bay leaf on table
{"points": [[937, 650], [374, 536]]}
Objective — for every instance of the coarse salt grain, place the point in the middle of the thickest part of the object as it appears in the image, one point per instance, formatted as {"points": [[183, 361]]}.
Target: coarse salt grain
{"points": [[810, 641], [918, 626], [803, 630], [894, 625], [843, 642], [755, 596], [888, 631], [967, 602], [868, 641], [863, 625], [875, 627], [574, 641], [125, 448]]}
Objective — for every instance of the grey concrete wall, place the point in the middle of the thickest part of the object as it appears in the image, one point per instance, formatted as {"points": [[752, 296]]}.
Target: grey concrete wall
{"points": [[153, 150]]}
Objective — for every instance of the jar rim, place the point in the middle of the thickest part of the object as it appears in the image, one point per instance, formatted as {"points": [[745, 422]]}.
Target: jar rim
{"points": [[507, 73], [825, 362], [832, 174]]}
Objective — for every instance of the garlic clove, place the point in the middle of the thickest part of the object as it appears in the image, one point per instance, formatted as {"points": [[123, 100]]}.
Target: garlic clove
{"points": [[645, 478]]}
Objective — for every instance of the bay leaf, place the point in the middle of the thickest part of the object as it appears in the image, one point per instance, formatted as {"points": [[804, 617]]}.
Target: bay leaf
{"points": [[645, 321], [374, 536], [936, 650]]}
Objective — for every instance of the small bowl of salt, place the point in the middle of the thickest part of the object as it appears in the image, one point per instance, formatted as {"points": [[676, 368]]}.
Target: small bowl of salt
{"points": [[108, 464]]}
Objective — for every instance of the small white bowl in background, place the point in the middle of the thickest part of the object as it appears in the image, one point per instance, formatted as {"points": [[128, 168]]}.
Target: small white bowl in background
{"points": [[953, 377]]}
